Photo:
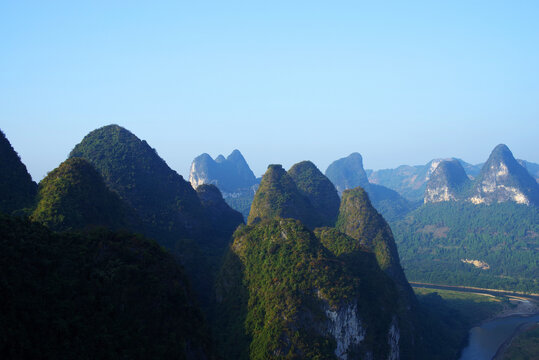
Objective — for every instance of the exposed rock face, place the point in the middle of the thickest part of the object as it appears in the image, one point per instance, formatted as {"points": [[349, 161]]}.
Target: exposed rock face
{"points": [[348, 173], [229, 175], [318, 189], [504, 179], [411, 181], [295, 298], [17, 190], [359, 219], [346, 328], [447, 182], [393, 339], [232, 176]]}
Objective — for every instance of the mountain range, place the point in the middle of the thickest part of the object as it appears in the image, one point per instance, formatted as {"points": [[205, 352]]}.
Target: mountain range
{"points": [[113, 254]]}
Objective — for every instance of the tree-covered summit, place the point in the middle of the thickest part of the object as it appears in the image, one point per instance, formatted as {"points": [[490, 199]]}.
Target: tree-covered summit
{"points": [[316, 187], [279, 197], [167, 204], [74, 196], [17, 189]]}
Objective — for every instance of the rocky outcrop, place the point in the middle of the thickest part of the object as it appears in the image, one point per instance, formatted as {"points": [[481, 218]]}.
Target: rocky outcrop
{"points": [[295, 298], [411, 181], [447, 182], [229, 175], [502, 179], [232, 175], [346, 328]]}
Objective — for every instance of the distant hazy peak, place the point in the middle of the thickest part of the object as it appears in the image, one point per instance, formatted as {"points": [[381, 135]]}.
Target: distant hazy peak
{"points": [[229, 175], [347, 172]]}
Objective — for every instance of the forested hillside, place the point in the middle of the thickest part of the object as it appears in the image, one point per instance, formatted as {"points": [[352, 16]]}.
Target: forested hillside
{"points": [[490, 246]]}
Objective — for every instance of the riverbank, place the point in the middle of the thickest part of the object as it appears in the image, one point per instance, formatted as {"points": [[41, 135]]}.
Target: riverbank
{"points": [[523, 308], [500, 353]]}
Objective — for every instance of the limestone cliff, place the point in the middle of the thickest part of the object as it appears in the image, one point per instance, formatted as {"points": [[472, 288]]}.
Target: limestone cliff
{"points": [[502, 179], [447, 182]]}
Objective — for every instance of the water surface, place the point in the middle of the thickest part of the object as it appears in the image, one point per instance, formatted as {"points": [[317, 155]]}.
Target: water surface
{"points": [[487, 338]]}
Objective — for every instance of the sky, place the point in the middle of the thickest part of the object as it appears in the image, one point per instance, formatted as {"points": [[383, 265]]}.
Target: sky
{"points": [[283, 81]]}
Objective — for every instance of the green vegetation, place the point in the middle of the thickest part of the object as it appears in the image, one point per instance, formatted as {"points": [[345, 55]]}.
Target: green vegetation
{"points": [[98, 295], [473, 307], [524, 346], [434, 240], [241, 202], [447, 316], [318, 189], [358, 219], [167, 204], [279, 280], [171, 212], [74, 196], [17, 190], [278, 197]]}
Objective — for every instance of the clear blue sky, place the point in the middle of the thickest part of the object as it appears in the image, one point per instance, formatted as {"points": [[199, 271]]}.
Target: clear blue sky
{"points": [[283, 81]]}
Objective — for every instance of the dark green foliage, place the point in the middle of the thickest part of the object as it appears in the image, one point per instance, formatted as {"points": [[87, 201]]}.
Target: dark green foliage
{"points": [[224, 219], [444, 328], [377, 298], [525, 346], [359, 219], [279, 197], [203, 259], [17, 190], [166, 203], [318, 189], [74, 196], [99, 295], [171, 211], [435, 238], [277, 283], [241, 201]]}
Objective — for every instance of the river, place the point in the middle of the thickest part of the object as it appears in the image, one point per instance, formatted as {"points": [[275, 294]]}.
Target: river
{"points": [[484, 340]]}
